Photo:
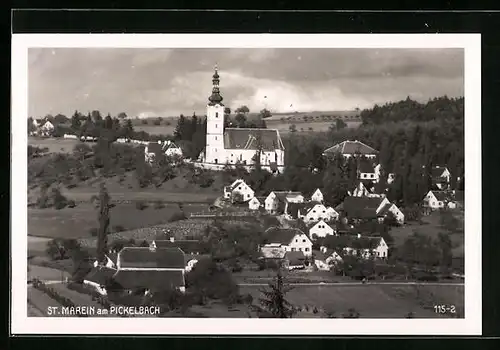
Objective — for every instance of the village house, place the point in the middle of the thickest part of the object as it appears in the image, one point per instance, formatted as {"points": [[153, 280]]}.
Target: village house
{"points": [[351, 149], [312, 212], [238, 191], [295, 260], [317, 196], [358, 209], [289, 239], [366, 189], [142, 268], [441, 177], [434, 200], [154, 150], [326, 259], [367, 247], [256, 203], [366, 171], [321, 229], [391, 208], [277, 201]]}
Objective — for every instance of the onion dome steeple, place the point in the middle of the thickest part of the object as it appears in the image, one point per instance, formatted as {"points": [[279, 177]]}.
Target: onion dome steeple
{"points": [[215, 98]]}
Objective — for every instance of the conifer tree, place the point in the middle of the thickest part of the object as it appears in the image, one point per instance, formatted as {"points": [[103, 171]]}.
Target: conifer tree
{"points": [[102, 238], [274, 304]]}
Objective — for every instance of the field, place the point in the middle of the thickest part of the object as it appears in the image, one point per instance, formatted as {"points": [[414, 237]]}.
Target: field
{"points": [[39, 302], [430, 225], [77, 222], [371, 301], [282, 126], [54, 145]]}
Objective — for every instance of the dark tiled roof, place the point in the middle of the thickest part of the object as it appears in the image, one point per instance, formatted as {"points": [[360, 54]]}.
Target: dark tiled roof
{"points": [[150, 279], [187, 246], [364, 242], [437, 171], [143, 257], [365, 166], [295, 258], [293, 209], [155, 147], [281, 235], [351, 147], [241, 138], [385, 209], [443, 196], [459, 196], [100, 275], [360, 207]]}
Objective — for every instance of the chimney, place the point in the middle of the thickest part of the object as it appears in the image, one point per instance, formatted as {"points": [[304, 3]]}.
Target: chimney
{"points": [[172, 239]]}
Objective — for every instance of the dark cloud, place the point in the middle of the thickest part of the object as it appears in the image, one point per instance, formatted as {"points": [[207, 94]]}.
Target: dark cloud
{"points": [[173, 81]]}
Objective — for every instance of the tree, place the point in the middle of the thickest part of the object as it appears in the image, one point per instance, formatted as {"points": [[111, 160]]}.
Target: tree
{"points": [[122, 115], [180, 128], [128, 129], [60, 119], [31, 125], [76, 121], [241, 120], [340, 124], [265, 113], [108, 122], [227, 111], [102, 239], [445, 245], [274, 304], [243, 109], [292, 128]]}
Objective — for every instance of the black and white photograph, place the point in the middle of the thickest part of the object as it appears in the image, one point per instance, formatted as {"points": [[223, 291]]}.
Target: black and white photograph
{"points": [[216, 183]]}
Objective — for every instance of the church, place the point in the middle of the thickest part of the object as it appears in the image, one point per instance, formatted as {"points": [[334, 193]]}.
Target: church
{"points": [[238, 145]]}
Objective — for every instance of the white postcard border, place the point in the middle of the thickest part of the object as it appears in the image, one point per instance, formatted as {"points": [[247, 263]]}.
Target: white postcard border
{"points": [[470, 325]]}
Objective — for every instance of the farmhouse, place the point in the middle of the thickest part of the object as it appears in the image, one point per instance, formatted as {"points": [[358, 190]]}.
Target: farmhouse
{"points": [[150, 269], [312, 212], [295, 260], [99, 277], [321, 229], [441, 177], [393, 210], [290, 239], [238, 191], [317, 196], [366, 189], [351, 149], [362, 208], [255, 203], [443, 199], [367, 247], [277, 201], [325, 259], [367, 171], [238, 145], [192, 247], [154, 150]]}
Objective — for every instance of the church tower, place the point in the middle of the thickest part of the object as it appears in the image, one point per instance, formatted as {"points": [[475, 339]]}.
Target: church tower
{"points": [[214, 147]]}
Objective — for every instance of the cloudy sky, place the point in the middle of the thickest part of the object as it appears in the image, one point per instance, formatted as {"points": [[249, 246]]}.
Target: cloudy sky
{"points": [[167, 82]]}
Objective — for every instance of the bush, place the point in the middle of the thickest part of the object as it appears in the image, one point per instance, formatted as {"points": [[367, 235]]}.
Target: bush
{"points": [[140, 205], [94, 232], [71, 203]]}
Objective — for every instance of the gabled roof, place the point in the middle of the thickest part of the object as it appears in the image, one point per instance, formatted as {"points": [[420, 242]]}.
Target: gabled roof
{"points": [[364, 242], [293, 209], [272, 252], [144, 257], [100, 275], [360, 207], [249, 138], [283, 195], [295, 258], [187, 246], [281, 235], [155, 147], [365, 166], [443, 196], [171, 145], [438, 170], [150, 279], [385, 209], [350, 147]]}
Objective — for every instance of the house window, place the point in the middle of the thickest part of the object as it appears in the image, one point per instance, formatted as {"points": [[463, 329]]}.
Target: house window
{"points": [[303, 241], [293, 249], [215, 160], [314, 211], [300, 249], [215, 138], [248, 195], [311, 218], [440, 203], [378, 254], [324, 211], [216, 116], [216, 126], [307, 249], [296, 240]]}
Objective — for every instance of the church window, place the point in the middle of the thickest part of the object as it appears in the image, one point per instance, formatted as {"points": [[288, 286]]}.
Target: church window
{"points": [[215, 160], [216, 126], [216, 115], [215, 138]]}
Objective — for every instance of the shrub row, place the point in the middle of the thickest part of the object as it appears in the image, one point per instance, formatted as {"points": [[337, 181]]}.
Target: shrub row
{"points": [[66, 302]]}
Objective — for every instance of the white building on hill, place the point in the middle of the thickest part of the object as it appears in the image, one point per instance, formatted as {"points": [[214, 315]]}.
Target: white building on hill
{"points": [[238, 145]]}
